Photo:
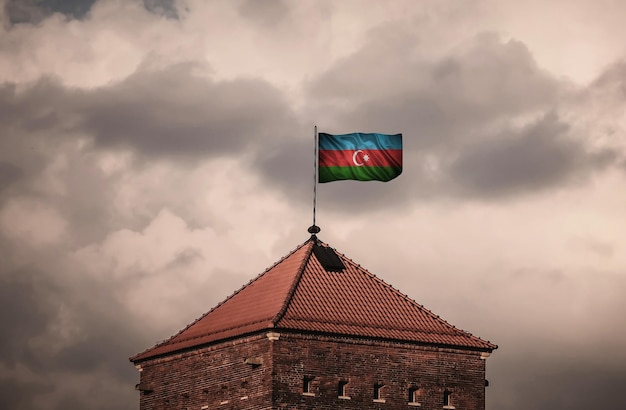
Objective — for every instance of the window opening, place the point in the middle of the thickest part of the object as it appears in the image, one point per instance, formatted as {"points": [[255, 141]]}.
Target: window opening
{"points": [[307, 385], [447, 399], [414, 396], [342, 390], [378, 393]]}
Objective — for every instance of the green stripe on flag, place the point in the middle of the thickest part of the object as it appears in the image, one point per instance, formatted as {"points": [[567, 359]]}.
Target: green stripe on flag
{"points": [[328, 174]]}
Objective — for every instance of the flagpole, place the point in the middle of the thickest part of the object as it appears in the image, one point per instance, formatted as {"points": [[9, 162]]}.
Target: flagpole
{"points": [[313, 229]]}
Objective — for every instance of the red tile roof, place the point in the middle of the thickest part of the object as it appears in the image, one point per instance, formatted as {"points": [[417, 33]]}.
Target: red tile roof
{"points": [[297, 293]]}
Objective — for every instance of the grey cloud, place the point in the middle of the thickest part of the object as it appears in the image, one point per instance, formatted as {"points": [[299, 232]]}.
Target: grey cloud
{"points": [[39, 106], [24, 312], [8, 174], [288, 164], [460, 111], [175, 112], [545, 382], [613, 77], [439, 102], [87, 200], [171, 112], [264, 12], [536, 157], [34, 11], [165, 8], [100, 341], [84, 194], [20, 395], [24, 11]]}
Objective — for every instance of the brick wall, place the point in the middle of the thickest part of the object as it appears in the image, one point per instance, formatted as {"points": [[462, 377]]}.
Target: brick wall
{"points": [[397, 368], [214, 376], [218, 378]]}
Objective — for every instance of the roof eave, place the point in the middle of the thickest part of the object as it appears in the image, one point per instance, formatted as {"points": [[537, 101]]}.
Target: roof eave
{"points": [[487, 347]]}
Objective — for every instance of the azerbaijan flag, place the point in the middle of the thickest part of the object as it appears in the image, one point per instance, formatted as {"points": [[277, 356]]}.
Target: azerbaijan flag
{"points": [[359, 156]]}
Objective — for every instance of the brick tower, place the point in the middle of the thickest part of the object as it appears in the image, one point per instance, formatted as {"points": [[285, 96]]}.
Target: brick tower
{"points": [[315, 331]]}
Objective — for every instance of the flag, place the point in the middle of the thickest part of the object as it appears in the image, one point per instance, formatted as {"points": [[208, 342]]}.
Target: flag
{"points": [[359, 156]]}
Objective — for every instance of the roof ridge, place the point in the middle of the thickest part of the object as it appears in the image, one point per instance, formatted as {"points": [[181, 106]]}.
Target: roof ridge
{"points": [[168, 340], [296, 282]]}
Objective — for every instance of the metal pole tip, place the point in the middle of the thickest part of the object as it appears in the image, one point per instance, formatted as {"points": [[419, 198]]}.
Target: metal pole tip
{"points": [[313, 229]]}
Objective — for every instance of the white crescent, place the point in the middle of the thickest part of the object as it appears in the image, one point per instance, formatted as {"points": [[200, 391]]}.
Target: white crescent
{"points": [[354, 158]]}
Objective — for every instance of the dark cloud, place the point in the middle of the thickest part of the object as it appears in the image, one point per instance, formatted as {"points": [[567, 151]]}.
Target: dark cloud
{"points": [[546, 382], [40, 106], [166, 8], [78, 189], [34, 305], [288, 163], [61, 328], [20, 395], [165, 113], [8, 174], [24, 312], [461, 112], [34, 11], [24, 11], [264, 12], [539, 156], [436, 103], [173, 114], [176, 112]]}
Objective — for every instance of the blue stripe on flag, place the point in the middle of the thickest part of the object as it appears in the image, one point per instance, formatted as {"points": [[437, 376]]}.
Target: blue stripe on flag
{"points": [[359, 140]]}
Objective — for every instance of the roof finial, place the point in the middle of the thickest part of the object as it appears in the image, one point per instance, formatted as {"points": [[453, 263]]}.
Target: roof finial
{"points": [[314, 229]]}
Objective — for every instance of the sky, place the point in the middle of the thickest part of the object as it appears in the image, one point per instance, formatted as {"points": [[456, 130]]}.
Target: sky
{"points": [[156, 155]]}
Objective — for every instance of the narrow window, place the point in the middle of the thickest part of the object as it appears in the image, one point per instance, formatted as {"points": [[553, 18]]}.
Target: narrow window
{"points": [[378, 393], [414, 396], [307, 386], [342, 390], [447, 399]]}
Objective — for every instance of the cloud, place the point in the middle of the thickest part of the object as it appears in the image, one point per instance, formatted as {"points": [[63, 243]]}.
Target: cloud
{"points": [[24, 11], [444, 101], [156, 155], [171, 112], [8, 174], [539, 156], [264, 12], [50, 326], [34, 11], [22, 395], [174, 112], [545, 381], [167, 8], [25, 313], [483, 122]]}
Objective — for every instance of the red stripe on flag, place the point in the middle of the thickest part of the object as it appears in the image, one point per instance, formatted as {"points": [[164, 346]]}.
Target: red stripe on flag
{"points": [[355, 158]]}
